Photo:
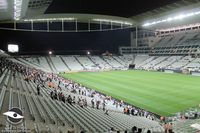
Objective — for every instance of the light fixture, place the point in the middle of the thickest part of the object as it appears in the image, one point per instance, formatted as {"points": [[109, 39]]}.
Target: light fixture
{"points": [[179, 27], [112, 21], [88, 52], [50, 19], [17, 9], [178, 17], [50, 52]]}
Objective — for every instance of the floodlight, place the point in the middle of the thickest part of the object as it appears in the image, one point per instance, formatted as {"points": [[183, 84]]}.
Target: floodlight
{"points": [[17, 9], [88, 52], [50, 52], [178, 17], [13, 48]]}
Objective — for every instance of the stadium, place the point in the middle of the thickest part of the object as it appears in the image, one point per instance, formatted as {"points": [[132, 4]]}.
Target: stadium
{"points": [[86, 66]]}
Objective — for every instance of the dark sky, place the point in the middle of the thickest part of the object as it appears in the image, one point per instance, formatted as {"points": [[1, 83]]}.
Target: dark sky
{"points": [[40, 42], [124, 8]]}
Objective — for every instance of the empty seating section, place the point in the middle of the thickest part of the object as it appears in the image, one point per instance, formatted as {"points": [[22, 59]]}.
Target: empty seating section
{"points": [[33, 60], [111, 61], [29, 62], [3, 90], [72, 63], [79, 63], [151, 58], [154, 62], [140, 58], [88, 64], [128, 59], [100, 62], [163, 41], [171, 40], [181, 63], [58, 63], [184, 126], [119, 59], [44, 63], [50, 63], [195, 64], [167, 62]]}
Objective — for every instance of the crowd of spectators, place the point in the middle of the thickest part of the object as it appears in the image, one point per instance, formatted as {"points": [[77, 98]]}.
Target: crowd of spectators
{"points": [[129, 110], [168, 128], [66, 90]]}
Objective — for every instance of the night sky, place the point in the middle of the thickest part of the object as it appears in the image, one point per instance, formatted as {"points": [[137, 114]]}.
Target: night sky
{"points": [[124, 8], [40, 42]]}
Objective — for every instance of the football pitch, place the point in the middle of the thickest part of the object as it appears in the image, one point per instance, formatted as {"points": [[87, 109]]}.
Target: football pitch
{"points": [[160, 93]]}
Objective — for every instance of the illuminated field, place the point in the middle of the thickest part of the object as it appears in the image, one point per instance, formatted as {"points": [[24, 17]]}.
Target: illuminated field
{"points": [[161, 93]]}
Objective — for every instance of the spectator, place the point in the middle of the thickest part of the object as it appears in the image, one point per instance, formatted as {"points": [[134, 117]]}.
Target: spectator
{"points": [[112, 130], [92, 102], [97, 104], [69, 100], [106, 112], [74, 100], [52, 94], [85, 102], [38, 89], [104, 105], [63, 98], [134, 129], [81, 103], [149, 131], [55, 95]]}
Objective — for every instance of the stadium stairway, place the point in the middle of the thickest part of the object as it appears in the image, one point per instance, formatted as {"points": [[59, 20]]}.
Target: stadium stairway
{"points": [[72, 63], [184, 126], [181, 62], [50, 63], [88, 64], [155, 61], [118, 60], [96, 64], [80, 62], [44, 63], [161, 60], [103, 58], [147, 61], [65, 63], [167, 62], [100, 62], [191, 60]]}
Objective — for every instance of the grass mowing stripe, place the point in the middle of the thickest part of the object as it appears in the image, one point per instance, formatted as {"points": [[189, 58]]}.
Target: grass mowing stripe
{"points": [[168, 92], [122, 86]]}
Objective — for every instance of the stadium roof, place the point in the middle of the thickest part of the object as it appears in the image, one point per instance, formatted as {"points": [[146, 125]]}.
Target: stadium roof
{"points": [[136, 13]]}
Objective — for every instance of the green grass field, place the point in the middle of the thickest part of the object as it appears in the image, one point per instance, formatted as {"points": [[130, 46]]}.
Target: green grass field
{"points": [[160, 93]]}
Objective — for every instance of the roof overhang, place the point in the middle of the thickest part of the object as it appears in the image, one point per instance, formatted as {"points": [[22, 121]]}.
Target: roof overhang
{"points": [[168, 11], [35, 10], [85, 18]]}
